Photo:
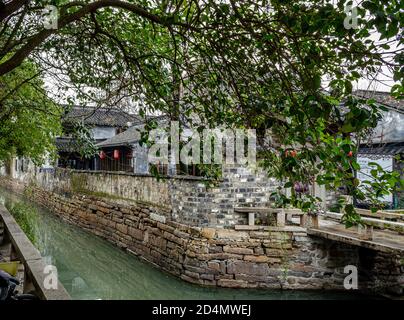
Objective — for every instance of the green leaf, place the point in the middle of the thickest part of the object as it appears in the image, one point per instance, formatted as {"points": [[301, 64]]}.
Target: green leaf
{"points": [[288, 184]]}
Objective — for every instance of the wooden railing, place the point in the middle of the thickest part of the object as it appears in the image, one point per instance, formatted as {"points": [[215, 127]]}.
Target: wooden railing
{"points": [[20, 248]]}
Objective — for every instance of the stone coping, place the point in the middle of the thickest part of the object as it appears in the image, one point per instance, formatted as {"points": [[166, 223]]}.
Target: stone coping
{"points": [[31, 258], [145, 175], [239, 227]]}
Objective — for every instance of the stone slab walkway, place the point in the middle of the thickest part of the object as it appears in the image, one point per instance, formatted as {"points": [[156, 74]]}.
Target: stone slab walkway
{"points": [[383, 240]]}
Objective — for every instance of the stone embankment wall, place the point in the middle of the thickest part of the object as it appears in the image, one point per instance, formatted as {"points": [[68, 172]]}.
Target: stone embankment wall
{"points": [[190, 200], [277, 258]]}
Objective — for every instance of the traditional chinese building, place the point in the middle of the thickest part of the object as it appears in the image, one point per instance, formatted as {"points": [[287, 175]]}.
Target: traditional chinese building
{"points": [[103, 123]]}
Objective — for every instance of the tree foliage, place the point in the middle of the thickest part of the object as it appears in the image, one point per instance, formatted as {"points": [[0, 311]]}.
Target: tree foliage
{"points": [[284, 67], [29, 120]]}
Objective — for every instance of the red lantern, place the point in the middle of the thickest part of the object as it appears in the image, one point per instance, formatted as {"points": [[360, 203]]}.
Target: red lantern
{"points": [[102, 155], [116, 154]]}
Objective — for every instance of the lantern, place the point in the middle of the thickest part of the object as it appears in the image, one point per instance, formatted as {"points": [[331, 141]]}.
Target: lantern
{"points": [[102, 155], [116, 154]]}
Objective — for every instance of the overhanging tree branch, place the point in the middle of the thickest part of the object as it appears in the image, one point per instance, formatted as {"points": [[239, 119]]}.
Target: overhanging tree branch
{"points": [[11, 7], [36, 40]]}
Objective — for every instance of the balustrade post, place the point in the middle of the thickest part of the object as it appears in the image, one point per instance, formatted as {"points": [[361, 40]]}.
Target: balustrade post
{"points": [[365, 232], [251, 218], [303, 220], [315, 221], [280, 218]]}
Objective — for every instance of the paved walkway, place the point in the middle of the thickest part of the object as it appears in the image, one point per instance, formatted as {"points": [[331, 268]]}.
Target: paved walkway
{"points": [[383, 240]]}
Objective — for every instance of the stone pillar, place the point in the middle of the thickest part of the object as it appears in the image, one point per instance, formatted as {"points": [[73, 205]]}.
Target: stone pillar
{"points": [[251, 218], [11, 168], [303, 220], [320, 192], [288, 192], [365, 232], [280, 218], [315, 222]]}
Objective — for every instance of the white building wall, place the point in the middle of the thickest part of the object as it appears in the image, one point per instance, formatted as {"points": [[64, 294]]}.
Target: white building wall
{"points": [[103, 132]]}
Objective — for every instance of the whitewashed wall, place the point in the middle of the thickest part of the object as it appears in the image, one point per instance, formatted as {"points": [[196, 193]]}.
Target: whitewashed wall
{"points": [[103, 132]]}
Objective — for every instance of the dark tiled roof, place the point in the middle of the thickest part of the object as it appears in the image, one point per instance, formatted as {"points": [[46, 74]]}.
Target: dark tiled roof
{"points": [[108, 117], [131, 135], [125, 138], [66, 145], [383, 98], [386, 149]]}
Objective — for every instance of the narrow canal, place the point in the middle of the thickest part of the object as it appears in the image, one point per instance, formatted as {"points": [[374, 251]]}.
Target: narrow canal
{"points": [[91, 268]]}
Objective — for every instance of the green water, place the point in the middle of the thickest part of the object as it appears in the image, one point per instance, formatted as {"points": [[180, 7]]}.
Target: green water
{"points": [[92, 268]]}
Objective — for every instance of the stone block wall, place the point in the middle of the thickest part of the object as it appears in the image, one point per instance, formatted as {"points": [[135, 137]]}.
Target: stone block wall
{"points": [[191, 200], [201, 255], [284, 258], [196, 204]]}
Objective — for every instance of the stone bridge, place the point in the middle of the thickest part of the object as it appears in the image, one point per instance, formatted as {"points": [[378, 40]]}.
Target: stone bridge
{"points": [[382, 240], [381, 231]]}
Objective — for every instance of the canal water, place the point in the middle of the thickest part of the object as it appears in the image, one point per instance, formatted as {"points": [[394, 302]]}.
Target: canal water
{"points": [[92, 268]]}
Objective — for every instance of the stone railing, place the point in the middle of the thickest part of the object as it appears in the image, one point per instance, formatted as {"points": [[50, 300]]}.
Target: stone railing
{"points": [[21, 249], [281, 215], [380, 220]]}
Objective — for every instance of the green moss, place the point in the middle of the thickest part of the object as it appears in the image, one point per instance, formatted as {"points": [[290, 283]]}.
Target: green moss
{"points": [[78, 182], [285, 257], [29, 190], [26, 217], [105, 195]]}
